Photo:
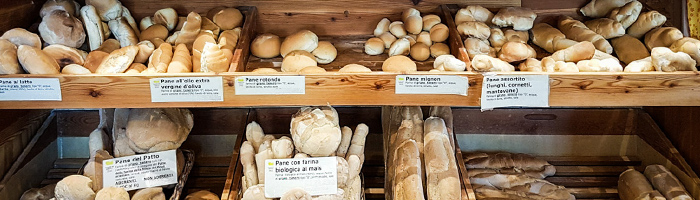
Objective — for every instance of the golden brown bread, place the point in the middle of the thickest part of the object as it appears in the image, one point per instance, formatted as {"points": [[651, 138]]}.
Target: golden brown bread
{"points": [[20, 36], [146, 48], [267, 46], [303, 40], [109, 45], [399, 64], [629, 49], [645, 23], [190, 30], [485, 63], [69, 6], [159, 61], [581, 51], [227, 18], [154, 31], [65, 55], [438, 33], [197, 48], [117, 61], [605, 27], [420, 52], [35, 61], [476, 46], [181, 61], [576, 30], [297, 60], [662, 37], [550, 38], [8, 58], [135, 68], [439, 49], [213, 59], [516, 51], [94, 59], [601, 8], [228, 39]]}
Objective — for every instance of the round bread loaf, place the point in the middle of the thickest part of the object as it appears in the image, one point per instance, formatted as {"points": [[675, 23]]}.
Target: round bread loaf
{"points": [[20, 36], [266, 46], [94, 59], [439, 33], [166, 17], [397, 29], [420, 52], [325, 52], [429, 21], [297, 60], [400, 47], [374, 46], [228, 18], [154, 193], [424, 37], [35, 61], [399, 64], [75, 187], [303, 40], [154, 31], [439, 49], [354, 68], [69, 6], [112, 193], [414, 24], [8, 58], [59, 27]]}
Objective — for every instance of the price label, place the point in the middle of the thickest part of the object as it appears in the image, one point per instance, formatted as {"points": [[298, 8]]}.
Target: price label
{"points": [[187, 89], [30, 89], [431, 84], [515, 90], [141, 171], [270, 85], [317, 176]]}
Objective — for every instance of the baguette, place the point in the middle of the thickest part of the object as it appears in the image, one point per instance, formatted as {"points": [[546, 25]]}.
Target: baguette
{"points": [[576, 30], [601, 8], [440, 164], [521, 162], [407, 181], [646, 22], [666, 183], [629, 49], [633, 185]]}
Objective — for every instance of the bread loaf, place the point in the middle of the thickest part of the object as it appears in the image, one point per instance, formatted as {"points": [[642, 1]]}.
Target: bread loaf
{"points": [[354, 68], [35, 61], [112, 193], [166, 17], [198, 47], [181, 61], [228, 18], [357, 145], [297, 60], [662, 37], [575, 30], [402, 46], [439, 33], [516, 51], [581, 51], [646, 22], [596, 65], [228, 39], [130, 20], [473, 13], [254, 134], [325, 52], [382, 27], [409, 12], [8, 58], [75, 69], [154, 31], [520, 18], [641, 65], [93, 168], [601, 8], [633, 185], [108, 9], [688, 45], [550, 38], [440, 164], [122, 31], [248, 161], [159, 61], [93, 26], [109, 46], [429, 21], [497, 38], [420, 52], [213, 59], [151, 130], [59, 27], [190, 30], [256, 192], [414, 24], [75, 187], [449, 63], [303, 40], [485, 63], [282, 148], [626, 15], [146, 22], [407, 181], [477, 30], [266, 46], [518, 161], [666, 60], [374, 46], [70, 6], [605, 27], [65, 55], [664, 181], [264, 153], [629, 49], [397, 29], [94, 59], [146, 49], [516, 36], [399, 63], [20, 36], [153, 193], [322, 124]]}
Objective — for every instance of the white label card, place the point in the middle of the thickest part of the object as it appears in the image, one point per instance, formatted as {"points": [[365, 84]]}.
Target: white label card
{"points": [[317, 176], [270, 85], [431, 84], [515, 90], [30, 89], [187, 89], [141, 171]]}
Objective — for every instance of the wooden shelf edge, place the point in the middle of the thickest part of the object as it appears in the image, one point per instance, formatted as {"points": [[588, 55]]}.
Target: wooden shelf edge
{"points": [[566, 90]]}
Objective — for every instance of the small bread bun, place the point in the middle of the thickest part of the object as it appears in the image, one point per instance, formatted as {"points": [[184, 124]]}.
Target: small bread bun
{"points": [[20, 36], [118, 60], [123, 32], [420, 52], [439, 33], [400, 47], [516, 51], [424, 37], [409, 12], [414, 24], [228, 39], [449, 63], [35, 61], [228, 18], [374, 46], [146, 22], [166, 17], [69, 6], [382, 27], [75, 69], [439, 49], [302, 40], [154, 31], [265, 71], [112, 193], [312, 70], [108, 9], [109, 45], [297, 60], [429, 21], [94, 59], [59, 27], [397, 29], [399, 64], [65, 55], [135, 68], [325, 52], [474, 29], [8, 58], [411, 38], [266, 46], [146, 48], [354, 68], [388, 39], [208, 25]]}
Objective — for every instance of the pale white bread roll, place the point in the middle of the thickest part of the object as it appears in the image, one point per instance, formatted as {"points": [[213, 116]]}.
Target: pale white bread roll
{"points": [[626, 15], [214, 59], [605, 27], [439, 49], [297, 60], [521, 19], [473, 13], [296, 194], [75, 69], [399, 63], [20, 36], [429, 21], [353, 190], [346, 136], [166, 17], [153, 130], [559, 66], [601, 8], [228, 18], [629, 48], [576, 30], [146, 48], [248, 161], [688, 45], [190, 30], [550, 38], [382, 27], [112, 193], [266, 46], [303, 40], [8, 58], [409, 12], [408, 183], [44, 193], [476, 46], [202, 195], [36, 61], [388, 39], [474, 29], [354, 68], [357, 144], [321, 122], [414, 24], [662, 37], [602, 55], [152, 193], [397, 29], [440, 164], [596, 65], [342, 171], [497, 37], [264, 153], [401, 46], [146, 22], [256, 192], [325, 52], [69, 6], [646, 22], [123, 32], [130, 19], [75, 187], [633, 185], [181, 61], [663, 180], [641, 65], [439, 33], [516, 36], [666, 60], [160, 59], [420, 52], [93, 26], [374, 46], [581, 51], [485, 63], [546, 65], [65, 55], [516, 51]]}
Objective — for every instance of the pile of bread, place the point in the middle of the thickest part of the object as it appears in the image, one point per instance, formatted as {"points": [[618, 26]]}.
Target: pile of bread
{"points": [[618, 27], [512, 176], [123, 132], [420, 155], [315, 132], [196, 44], [301, 52], [634, 185]]}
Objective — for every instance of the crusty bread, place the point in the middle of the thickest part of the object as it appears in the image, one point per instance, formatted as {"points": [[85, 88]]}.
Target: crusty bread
{"points": [[581, 51], [75, 187], [663, 180], [160, 59], [202, 195], [429, 21], [576, 30], [198, 47], [108, 9], [267, 46], [154, 31], [20, 36], [166, 17], [181, 61], [473, 13], [35, 61], [605, 27], [629, 48], [303, 40], [123, 32], [93, 168], [69, 6], [117, 61], [440, 164], [477, 30], [93, 26], [8, 58], [520, 18], [153, 193], [646, 22], [65, 55], [485, 63], [438, 33], [146, 48], [109, 45], [190, 30], [666, 60], [516, 51], [662, 37], [626, 15], [374, 46], [297, 60], [550, 38], [59, 27], [135, 68], [382, 27], [408, 170], [601, 8], [354, 68], [476, 46], [112, 193], [227, 18], [641, 65], [44, 193], [325, 52], [214, 59]]}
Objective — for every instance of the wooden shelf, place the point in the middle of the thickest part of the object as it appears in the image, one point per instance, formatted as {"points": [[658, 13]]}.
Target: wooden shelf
{"points": [[567, 90]]}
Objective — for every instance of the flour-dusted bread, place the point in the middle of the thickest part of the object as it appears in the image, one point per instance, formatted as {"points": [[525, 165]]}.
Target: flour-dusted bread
{"points": [[75, 187], [601, 8], [20, 36], [440, 163], [315, 131], [60, 27], [118, 61], [150, 130], [153, 193], [666, 60], [520, 18]]}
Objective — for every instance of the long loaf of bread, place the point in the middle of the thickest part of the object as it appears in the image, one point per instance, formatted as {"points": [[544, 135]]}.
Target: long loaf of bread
{"points": [[633, 185], [664, 181], [577, 30], [440, 164], [408, 184], [550, 38]]}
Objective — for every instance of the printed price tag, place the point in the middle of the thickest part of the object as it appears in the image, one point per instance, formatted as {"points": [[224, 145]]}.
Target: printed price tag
{"points": [[141, 171], [30, 89], [270, 85], [515, 90], [317, 176], [431, 84], [187, 89]]}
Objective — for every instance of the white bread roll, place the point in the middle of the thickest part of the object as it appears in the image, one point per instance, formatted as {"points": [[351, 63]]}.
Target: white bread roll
{"points": [[146, 48], [420, 52], [476, 46], [282, 148], [497, 38], [605, 27], [516, 51], [449, 63], [388, 39], [297, 60], [130, 19], [75, 187], [688, 45], [117, 61], [266, 46], [646, 22], [401, 46], [20, 36], [93, 26], [296, 194], [666, 60], [112, 193], [325, 52], [439, 33], [601, 8], [484, 63], [35, 61], [382, 27], [354, 68], [153, 193], [473, 13], [581, 51], [424, 37], [477, 30], [374, 46], [641, 65], [75, 69], [123, 32], [629, 49], [409, 12], [576, 30], [399, 64], [516, 36], [166, 17], [429, 21], [596, 65], [65, 55], [521, 19], [8, 58], [626, 15], [303, 40], [397, 29], [662, 37]]}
